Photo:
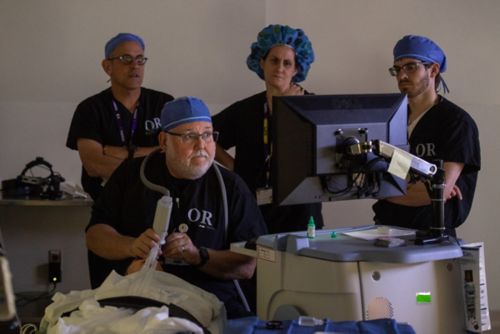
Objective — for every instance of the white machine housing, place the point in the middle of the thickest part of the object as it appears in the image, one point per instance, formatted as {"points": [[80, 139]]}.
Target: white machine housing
{"points": [[345, 278]]}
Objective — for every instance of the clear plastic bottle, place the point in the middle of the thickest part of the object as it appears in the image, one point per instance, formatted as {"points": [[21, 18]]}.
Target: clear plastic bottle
{"points": [[311, 228]]}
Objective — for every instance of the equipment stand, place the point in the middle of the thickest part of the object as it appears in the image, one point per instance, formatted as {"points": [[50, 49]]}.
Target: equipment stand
{"points": [[436, 233]]}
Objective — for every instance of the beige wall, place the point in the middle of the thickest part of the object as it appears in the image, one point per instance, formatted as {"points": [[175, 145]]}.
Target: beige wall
{"points": [[51, 51]]}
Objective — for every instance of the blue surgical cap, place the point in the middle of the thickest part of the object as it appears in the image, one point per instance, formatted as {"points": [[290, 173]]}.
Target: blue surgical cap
{"points": [[120, 38], [274, 35], [183, 110], [421, 48]]}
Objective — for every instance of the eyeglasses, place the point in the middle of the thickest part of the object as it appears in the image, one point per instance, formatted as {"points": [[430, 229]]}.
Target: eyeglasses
{"points": [[128, 59], [193, 137], [407, 68]]}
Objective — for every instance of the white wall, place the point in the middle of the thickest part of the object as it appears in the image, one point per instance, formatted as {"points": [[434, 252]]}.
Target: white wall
{"points": [[51, 52]]}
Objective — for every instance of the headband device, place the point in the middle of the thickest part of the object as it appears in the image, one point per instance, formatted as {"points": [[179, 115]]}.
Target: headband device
{"points": [[34, 187]]}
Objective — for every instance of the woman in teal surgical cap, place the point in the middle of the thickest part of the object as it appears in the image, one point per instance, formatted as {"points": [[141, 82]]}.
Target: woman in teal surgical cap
{"points": [[281, 57]]}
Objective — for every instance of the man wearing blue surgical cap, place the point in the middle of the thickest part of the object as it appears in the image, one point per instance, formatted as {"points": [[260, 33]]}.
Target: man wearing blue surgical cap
{"points": [[120, 122], [197, 246], [437, 130]]}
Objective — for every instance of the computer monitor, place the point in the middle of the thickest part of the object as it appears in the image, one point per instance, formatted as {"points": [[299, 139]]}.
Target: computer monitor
{"points": [[312, 140]]}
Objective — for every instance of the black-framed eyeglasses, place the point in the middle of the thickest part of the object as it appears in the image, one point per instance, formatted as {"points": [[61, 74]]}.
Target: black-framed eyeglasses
{"points": [[193, 137], [407, 68], [128, 59]]}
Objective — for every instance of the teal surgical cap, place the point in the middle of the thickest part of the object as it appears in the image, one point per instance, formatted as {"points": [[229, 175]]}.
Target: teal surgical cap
{"points": [[276, 34]]}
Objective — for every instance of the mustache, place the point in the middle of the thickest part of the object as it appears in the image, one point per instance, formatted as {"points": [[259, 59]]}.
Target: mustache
{"points": [[199, 154]]}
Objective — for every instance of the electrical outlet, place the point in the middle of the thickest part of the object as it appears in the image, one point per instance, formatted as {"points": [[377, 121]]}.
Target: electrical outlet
{"points": [[55, 259]]}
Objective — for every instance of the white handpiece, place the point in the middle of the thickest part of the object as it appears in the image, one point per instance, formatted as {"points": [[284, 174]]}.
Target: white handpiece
{"points": [[162, 216], [160, 226], [7, 306]]}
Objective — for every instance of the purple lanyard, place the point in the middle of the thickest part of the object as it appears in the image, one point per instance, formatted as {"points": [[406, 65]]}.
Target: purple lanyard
{"points": [[268, 149], [121, 127]]}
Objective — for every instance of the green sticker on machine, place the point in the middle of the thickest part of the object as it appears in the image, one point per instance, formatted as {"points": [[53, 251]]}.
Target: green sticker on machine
{"points": [[423, 298]]}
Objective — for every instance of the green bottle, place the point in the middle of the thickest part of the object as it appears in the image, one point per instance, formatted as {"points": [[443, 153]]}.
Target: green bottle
{"points": [[311, 228]]}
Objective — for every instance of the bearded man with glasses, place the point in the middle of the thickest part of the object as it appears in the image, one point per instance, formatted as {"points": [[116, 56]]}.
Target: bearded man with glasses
{"points": [[122, 121], [199, 235], [437, 129]]}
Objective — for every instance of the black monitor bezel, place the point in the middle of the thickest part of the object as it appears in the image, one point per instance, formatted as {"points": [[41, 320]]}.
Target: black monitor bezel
{"points": [[299, 147]]}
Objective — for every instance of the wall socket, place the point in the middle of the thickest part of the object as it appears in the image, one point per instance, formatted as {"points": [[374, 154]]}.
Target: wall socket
{"points": [[55, 261]]}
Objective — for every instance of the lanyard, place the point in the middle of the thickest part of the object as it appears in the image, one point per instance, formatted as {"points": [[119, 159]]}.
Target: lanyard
{"points": [[121, 128], [268, 149]]}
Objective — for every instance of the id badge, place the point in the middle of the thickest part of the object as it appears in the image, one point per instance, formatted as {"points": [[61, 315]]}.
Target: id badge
{"points": [[264, 196]]}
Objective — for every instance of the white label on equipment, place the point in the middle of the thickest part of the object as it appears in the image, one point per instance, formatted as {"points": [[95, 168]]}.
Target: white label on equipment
{"points": [[266, 254]]}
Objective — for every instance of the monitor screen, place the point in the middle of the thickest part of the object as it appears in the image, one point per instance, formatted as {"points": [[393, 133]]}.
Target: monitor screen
{"points": [[312, 137]]}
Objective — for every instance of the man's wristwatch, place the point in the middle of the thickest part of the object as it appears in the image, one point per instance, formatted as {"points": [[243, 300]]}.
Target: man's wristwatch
{"points": [[204, 257]]}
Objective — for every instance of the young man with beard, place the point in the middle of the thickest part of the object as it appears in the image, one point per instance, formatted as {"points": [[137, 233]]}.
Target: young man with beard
{"points": [[437, 129], [197, 246]]}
